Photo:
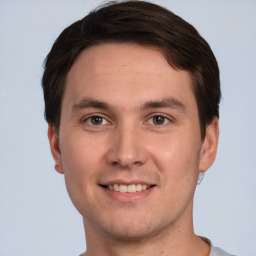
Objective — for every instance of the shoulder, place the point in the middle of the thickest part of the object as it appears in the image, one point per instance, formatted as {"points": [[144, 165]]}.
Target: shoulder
{"points": [[215, 251]]}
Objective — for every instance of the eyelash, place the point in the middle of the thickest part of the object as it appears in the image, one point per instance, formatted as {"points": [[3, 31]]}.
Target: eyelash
{"points": [[88, 119], [166, 119]]}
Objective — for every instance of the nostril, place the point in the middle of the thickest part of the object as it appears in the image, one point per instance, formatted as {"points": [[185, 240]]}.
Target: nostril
{"points": [[137, 163], [126, 164], [115, 163]]}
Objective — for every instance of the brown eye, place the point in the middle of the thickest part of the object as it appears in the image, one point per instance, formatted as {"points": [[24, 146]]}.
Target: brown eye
{"points": [[158, 120], [96, 120]]}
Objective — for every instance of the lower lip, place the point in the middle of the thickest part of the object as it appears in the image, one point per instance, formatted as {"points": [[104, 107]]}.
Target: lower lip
{"points": [[128, 197]]}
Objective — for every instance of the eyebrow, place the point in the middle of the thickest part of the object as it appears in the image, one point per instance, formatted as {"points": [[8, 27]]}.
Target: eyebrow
{"points": [[90, 103], [169, 102]]}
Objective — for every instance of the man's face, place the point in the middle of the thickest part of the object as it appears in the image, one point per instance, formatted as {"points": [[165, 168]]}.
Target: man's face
{"points": [[129, 121]]}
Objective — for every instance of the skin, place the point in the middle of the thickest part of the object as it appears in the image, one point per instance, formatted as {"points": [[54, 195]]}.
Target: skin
{"points": [[148, 132]]}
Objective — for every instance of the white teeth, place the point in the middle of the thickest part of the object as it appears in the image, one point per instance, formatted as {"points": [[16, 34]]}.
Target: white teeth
{"points": [[139, 187], [116, 187], [123, 188], [130, 188], [144, 187]]}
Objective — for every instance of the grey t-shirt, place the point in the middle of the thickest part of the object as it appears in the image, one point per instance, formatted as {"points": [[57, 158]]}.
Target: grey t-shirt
{"points": [[215, 251]]}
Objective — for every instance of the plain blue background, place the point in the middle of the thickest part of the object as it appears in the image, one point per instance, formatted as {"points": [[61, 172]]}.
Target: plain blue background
{"points": [[36, 215]]}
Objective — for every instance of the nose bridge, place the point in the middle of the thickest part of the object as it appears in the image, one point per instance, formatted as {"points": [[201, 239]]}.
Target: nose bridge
{"points": [[127, 147]]}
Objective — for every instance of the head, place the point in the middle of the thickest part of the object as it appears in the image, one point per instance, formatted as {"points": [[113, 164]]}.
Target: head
{"points": [[145, 24], [131, 95]]}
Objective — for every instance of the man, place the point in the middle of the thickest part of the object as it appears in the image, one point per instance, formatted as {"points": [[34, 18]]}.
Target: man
{"points": [[132, 95]]}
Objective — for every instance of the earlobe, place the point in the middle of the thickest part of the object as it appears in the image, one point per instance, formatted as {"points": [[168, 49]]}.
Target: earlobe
{"points": [[210, 144], [54, 144]]}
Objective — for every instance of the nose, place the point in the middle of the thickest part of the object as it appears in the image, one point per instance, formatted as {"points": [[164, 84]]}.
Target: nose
{"points": [[127, 148]]}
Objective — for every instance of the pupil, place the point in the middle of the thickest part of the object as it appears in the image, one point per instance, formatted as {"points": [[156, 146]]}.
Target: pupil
{"points": [[158, 120], [97, 120]]}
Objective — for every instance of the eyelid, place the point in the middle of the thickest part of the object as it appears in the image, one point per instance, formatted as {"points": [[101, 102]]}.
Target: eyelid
{"points": [[85, 118], [169, 118]]}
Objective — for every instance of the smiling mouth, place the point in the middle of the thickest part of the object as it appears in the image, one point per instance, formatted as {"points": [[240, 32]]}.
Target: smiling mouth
{"points": [[127, 188]]}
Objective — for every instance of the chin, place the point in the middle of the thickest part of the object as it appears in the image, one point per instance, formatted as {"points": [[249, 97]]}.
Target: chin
{"points": [[133, 230]]}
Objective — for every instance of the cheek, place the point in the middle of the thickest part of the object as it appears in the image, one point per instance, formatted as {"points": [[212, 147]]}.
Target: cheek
{"points": [[80, 153], [176, 157], [80, 161]]}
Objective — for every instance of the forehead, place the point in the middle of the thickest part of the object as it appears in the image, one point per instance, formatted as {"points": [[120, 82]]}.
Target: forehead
{"points": [[105, 58], [110, 72]]}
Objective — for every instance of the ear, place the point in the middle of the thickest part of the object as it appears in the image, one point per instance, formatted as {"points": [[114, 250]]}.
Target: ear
{"points": [[54, 144], [210, 144]]}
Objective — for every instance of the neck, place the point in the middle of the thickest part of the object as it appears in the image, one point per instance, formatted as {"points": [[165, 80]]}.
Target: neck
{"points": [[178, 239]]}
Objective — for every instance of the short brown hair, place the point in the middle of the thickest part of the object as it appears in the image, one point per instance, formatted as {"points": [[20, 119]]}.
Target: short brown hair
{"points": [[145, 24]]}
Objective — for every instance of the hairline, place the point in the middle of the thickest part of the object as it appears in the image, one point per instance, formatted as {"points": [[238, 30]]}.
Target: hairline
{"points": [[131, 42]]}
